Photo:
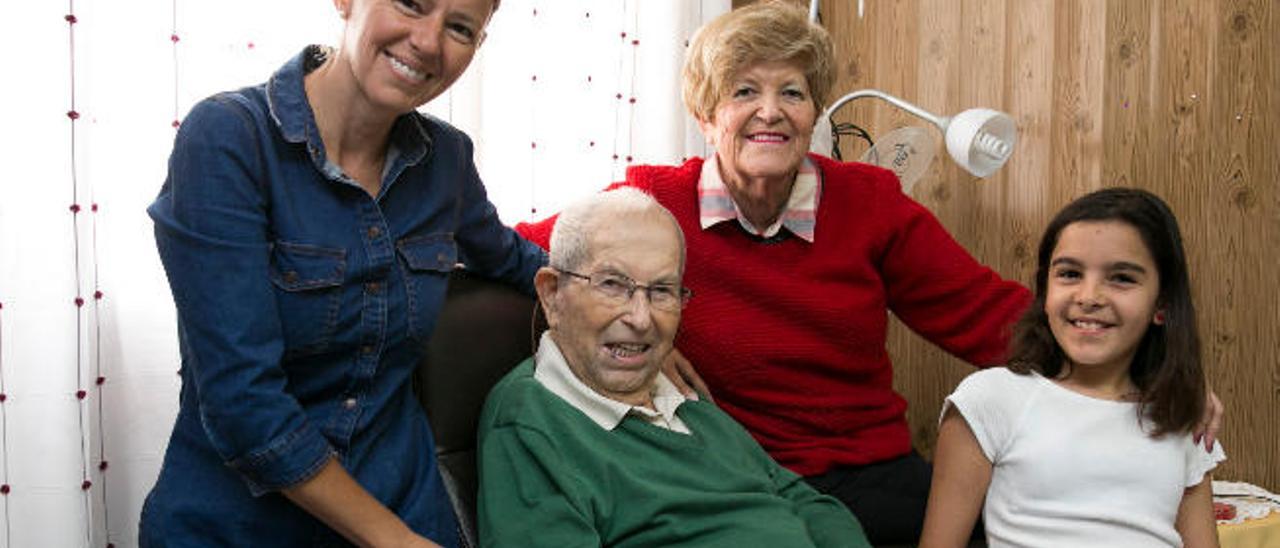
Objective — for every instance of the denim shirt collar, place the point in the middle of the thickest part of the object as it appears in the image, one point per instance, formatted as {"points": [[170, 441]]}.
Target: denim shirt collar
{"points": [[410, 141]]}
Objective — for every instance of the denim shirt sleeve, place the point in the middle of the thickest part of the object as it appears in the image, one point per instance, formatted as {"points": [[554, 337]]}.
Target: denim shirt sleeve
{"points": [[491, 248], [212, 231]]}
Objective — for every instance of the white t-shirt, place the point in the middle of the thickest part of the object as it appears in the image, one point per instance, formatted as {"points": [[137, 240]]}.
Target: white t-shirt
{"points": [[1071, 470]]}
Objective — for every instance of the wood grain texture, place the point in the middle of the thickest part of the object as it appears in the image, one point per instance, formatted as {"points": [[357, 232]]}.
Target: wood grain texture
{"points": [[1179, 97], [1236, 276]]}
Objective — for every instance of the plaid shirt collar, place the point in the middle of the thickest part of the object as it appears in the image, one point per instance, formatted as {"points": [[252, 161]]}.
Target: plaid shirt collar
{"points": [[800, 216]]}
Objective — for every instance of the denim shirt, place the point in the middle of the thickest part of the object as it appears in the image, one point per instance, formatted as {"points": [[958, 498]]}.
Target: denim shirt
{"points": [[303, 307]]}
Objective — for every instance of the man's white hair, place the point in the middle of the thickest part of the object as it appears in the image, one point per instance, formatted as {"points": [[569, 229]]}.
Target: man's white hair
{"points": [[570, 238]]}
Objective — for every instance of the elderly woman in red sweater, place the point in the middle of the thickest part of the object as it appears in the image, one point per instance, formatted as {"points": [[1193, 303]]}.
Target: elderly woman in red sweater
{"points": [[796, 261]]}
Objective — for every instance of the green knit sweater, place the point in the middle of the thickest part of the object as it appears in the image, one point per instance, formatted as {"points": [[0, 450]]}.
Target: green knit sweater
{"points": [[549, 476]]}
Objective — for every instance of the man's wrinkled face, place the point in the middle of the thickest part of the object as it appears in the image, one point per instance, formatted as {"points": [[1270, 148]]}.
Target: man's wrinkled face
{"points": [[616, 344]]}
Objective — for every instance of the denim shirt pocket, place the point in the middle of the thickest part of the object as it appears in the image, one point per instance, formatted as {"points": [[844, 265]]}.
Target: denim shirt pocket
{"points": [[308, 281], [428, 260]]}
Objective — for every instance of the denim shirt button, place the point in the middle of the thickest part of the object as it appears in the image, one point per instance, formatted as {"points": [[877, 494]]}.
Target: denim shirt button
{"points": [[366, 349], [374, 232], [291, 277], [372, 287], [350, 403]]}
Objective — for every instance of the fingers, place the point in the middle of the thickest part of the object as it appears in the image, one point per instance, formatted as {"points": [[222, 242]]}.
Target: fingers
{"points": [[1215, 411], [1210, 423], [673, 367], [691, 376], [684, 376]]}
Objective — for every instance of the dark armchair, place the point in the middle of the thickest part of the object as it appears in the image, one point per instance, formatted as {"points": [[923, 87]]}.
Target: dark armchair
{"points": [[484, 330]]}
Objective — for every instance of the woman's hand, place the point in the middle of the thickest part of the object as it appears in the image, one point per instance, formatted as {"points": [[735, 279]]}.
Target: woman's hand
{"points": [[419, 541], [1211, 422], [682, 374], [334, 497]]}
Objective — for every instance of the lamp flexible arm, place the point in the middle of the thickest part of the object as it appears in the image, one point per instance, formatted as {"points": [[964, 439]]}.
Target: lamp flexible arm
{"points": [[940, 121]]}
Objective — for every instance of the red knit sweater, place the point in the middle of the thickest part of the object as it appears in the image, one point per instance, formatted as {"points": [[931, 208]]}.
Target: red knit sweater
{"points": [[790, 335]]}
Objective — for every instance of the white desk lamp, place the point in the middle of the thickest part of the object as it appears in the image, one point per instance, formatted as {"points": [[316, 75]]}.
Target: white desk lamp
{"points": [[979, 139]]}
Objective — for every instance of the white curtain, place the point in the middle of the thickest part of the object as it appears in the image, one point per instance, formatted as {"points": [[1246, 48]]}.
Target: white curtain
{"points": [[564, 95]]}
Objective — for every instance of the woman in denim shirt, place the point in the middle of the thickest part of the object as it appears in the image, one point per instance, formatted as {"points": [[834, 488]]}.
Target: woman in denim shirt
{"points": [[308, 226]]}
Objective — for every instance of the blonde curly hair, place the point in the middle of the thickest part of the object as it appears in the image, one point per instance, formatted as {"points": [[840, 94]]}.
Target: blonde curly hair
{"points": [[770, 30]]}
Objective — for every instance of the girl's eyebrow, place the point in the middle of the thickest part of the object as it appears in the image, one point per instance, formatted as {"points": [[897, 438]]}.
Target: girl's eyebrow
{"points": [[1118, 265], [1126, 265]]}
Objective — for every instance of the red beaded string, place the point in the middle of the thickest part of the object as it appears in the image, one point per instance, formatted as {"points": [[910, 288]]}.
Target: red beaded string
{"points": [[4, 439], [533, 126], [630, 45], [99, 380], [81, 394], [74, 116], [99, 377], [586, 30], [173, 39], [631, 101]]}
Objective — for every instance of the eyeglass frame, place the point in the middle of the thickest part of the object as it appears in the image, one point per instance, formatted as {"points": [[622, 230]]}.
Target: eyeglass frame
{"points": [[683, 296]]}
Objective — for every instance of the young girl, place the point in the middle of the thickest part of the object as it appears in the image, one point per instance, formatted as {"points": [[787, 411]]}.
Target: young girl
{"points": [[1085, 437]]}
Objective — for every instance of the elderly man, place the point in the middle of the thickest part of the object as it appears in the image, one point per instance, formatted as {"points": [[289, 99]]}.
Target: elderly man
{"points": [[588, 444]]}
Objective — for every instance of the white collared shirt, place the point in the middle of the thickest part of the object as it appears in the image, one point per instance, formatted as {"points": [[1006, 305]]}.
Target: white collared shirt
{"points": [[553, 372]]}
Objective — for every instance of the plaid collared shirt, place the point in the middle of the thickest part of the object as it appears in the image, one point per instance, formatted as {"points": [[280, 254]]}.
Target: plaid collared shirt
{"points": [[716, 206]]}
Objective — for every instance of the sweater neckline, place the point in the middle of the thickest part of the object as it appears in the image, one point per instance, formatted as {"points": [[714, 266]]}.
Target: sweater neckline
{"points": [[694, 440]]}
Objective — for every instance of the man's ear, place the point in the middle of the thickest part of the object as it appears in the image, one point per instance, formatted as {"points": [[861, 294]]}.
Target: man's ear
{"points": [[547, 283]]}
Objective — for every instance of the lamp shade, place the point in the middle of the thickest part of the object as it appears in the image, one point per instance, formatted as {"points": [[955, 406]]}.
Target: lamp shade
{"points": [[907, 152], [981, 140]]}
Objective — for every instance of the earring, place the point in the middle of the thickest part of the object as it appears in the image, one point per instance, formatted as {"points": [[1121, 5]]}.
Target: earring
{"points": [[1158, 319]]}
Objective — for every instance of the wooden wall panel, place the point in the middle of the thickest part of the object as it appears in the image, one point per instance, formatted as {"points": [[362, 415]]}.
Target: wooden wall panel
{"points": [[1030, 101], [1128, 112], [1237, 262], [1180, 97]]}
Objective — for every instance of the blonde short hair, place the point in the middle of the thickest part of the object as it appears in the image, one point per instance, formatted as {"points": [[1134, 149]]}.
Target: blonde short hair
{"points": [[769, 30]]}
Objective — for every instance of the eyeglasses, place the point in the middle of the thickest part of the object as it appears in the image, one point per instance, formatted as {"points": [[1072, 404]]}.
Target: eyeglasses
{"points": [[618, 290]]}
